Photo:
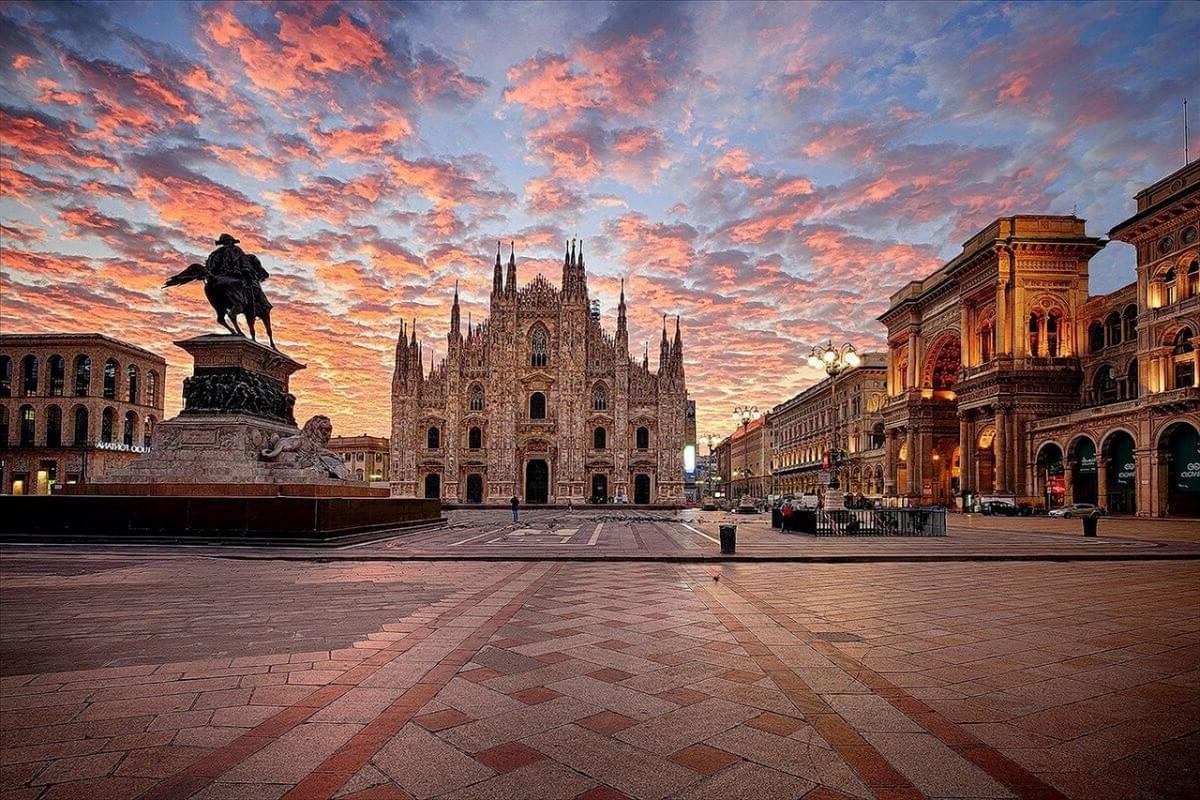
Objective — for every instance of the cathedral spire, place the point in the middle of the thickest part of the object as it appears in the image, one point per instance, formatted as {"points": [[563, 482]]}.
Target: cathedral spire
{"points": [[510, 288], [622, 328], [581, 276], [566, 270], [455, 317], [497, 275]]}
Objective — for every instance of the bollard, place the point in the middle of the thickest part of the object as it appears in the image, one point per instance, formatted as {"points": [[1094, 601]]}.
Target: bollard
{"points": [[1089, 524], [728, 539]]}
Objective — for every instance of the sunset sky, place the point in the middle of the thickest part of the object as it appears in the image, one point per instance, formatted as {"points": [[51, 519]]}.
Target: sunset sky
{"points": [[770, 172]]}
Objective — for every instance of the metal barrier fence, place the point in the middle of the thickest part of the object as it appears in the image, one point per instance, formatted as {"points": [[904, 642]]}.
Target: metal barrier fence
{"points": [[871, 522]]}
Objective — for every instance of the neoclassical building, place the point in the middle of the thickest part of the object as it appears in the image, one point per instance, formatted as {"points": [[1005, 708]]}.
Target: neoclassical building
{"points": [[72, 406], [1006, 379], [539, 402], [804, 427]]}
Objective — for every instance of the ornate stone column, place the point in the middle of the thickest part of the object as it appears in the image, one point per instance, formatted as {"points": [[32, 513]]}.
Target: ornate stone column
{"points": [[1068, 481], [1101, 482], [965, 456], [889, 462], [1000, 450]]}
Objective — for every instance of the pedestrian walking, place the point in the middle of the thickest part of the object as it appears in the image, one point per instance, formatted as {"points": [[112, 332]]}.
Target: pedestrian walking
{"points": [[516, 505]]}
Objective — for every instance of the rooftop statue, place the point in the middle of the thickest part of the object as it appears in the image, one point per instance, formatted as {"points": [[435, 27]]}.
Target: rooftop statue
{"points": [[233, 285]]}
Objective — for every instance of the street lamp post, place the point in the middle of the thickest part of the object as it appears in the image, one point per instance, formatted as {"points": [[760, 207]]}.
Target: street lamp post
{"points": [[834, 360], [744, 415]]}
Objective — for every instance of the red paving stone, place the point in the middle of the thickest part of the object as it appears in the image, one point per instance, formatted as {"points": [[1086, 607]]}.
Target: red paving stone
{"points": [[509, 756], [703, 759], [1041, 680], [606, 722]]}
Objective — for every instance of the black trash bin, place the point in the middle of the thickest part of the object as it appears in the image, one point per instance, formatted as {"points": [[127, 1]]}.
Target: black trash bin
{"points": [[728, 539], [776, 518], [1089, 524]]}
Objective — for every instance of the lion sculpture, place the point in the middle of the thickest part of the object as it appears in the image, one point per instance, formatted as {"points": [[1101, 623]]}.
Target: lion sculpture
{"points": [[308, 449]]}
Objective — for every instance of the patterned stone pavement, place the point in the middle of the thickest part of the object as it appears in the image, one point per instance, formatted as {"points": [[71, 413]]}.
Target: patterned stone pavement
{"points": [[143, 675]]}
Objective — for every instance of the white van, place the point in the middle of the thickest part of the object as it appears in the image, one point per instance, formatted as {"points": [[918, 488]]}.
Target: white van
{"points": [[806, 501]]}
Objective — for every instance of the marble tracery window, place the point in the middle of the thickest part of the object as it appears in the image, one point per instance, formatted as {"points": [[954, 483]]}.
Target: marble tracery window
{"points": [[539, 348]]}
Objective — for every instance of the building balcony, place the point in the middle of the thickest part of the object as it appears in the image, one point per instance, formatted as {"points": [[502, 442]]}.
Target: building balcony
{"points": [[1025, 363], [1188, 307]]}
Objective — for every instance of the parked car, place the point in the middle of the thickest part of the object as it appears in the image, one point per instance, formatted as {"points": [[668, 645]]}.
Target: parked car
{"points": [[709, 503], [998, 508], [1078, 510]]}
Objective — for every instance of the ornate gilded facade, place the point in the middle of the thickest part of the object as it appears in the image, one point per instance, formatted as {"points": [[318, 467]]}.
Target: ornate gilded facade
{"points": [[1006, 379], [539, 402]]}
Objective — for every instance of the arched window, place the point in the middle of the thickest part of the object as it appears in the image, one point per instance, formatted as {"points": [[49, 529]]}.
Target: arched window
{"points": [[108, 425], [131, 424], [83, 375], [152, 388], [53, 426], [599, 439], [133, 383], [3, 427], [28, 425], [1129, 323], [1104, 386], [433, 438], [1053, 323], [1170, 291], [475, 438], [58, 375], [81, 426], [110, 379], [1184, 357], [599, 397], [1112, 329], [1095, 337], [5, 376], [148, 431], [475, 397], [539, 348], [986, 342], [1035, 325], [29, 376], [642, 439], [537, 406], [1193, 278], [1131, 380]]}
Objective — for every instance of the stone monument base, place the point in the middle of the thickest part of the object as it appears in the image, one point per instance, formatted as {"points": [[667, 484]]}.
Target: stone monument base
{"points": [[232, 467]]}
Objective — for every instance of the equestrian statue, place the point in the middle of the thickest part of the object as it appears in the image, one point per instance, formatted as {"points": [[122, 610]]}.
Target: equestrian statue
{"points": [[233, 285]]}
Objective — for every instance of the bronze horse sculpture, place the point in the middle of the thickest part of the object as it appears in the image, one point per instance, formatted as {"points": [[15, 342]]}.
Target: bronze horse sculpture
{"points": [[229, 296]]}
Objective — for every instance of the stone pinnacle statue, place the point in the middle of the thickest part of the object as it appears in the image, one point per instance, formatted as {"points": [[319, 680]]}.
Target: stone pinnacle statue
{"points": [[233, 285]]}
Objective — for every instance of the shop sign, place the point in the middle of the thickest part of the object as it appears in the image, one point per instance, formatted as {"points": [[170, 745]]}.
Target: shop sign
{"points": [[121, 447]]}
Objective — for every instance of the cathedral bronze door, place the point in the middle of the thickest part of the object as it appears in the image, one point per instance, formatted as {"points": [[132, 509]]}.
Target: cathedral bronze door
{"points": [[537, 481], [433, 486], [641, 489], [599, 488], [474, 488]]}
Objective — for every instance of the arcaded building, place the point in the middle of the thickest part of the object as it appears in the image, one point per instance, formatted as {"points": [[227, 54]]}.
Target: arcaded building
{"points": [[540, 402], [72, 406], [1007, 380], [1132, 443], [803, 428]]}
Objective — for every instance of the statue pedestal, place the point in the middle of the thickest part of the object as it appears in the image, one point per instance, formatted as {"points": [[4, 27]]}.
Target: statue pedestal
{"points": [[231, 467]]}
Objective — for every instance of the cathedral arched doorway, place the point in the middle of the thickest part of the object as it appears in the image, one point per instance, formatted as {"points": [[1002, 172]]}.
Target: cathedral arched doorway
{"points": [[433, 486], [599, 488], [1180, 445], [641, 489], [1120, 469], [474, 488], [537, 481], [1082, 457]]}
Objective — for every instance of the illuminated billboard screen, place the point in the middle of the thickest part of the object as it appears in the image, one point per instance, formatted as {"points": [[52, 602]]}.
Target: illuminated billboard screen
{"points": [[689, 458]]}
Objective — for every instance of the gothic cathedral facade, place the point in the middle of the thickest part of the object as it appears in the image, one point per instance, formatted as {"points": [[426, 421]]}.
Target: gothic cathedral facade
{"points": [[539, 402]]}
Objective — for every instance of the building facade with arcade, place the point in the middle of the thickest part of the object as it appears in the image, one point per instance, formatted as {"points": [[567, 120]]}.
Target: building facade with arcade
{"points": [[1007, 380]]}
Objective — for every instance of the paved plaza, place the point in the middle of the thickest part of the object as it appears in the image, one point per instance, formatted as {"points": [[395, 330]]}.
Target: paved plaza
{"points": [[608, 655]]}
